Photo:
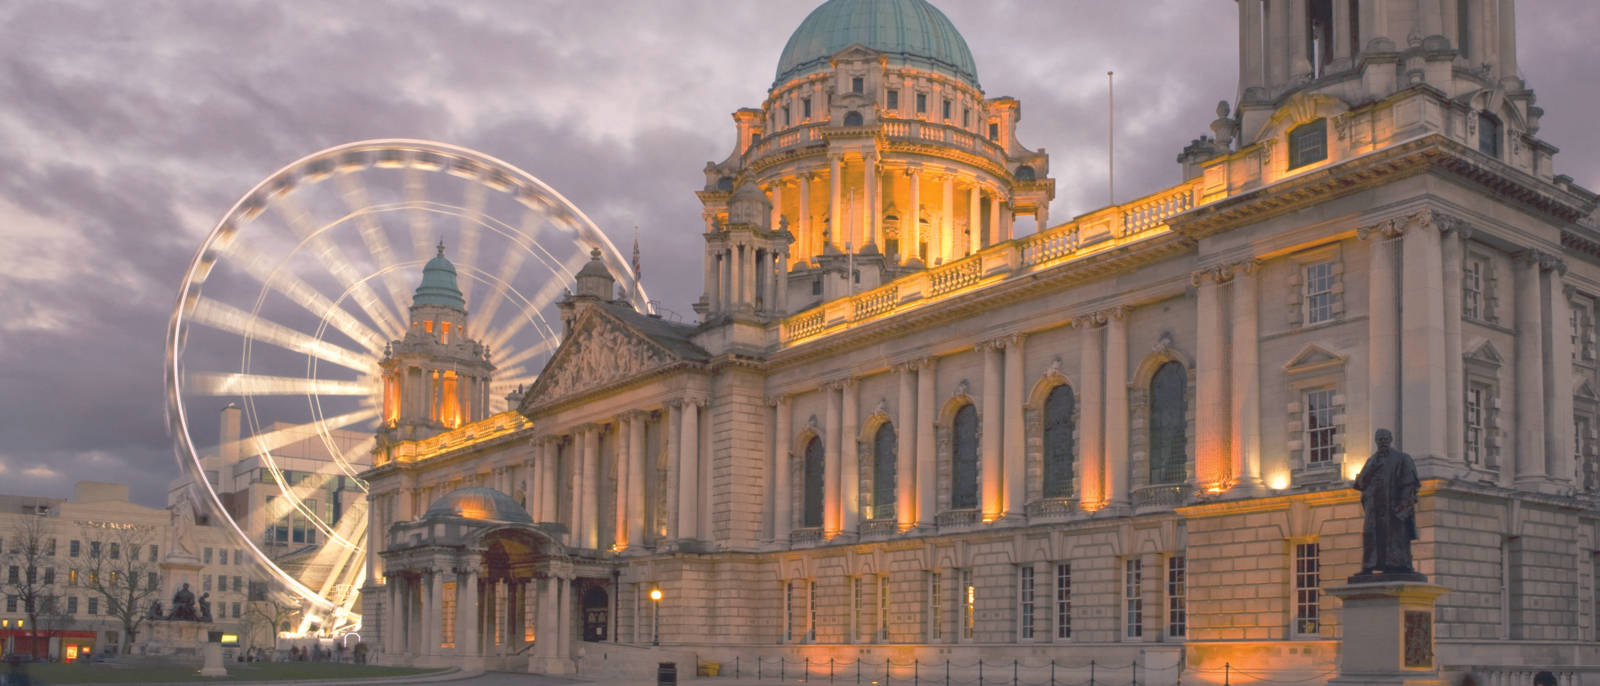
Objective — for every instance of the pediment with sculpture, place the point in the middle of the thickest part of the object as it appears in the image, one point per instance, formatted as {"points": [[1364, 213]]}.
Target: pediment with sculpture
{"points": [[599, 353]]}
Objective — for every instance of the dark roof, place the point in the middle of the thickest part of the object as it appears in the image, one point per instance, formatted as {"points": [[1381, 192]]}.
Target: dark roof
{"points": [[677, 338]]}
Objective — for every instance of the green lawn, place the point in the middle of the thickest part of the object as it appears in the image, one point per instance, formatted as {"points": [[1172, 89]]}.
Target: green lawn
{"points": [[258, 671]]}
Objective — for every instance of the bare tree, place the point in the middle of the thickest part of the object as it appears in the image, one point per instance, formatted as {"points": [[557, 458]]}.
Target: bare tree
{"points": [[266, 609], [52, 617], [30, 575], [120, 565]]}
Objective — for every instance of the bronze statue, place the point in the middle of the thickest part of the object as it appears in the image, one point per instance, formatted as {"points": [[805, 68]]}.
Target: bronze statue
{"points": [[205, 607], [155, 611], [1388, 485], [183, 606]]}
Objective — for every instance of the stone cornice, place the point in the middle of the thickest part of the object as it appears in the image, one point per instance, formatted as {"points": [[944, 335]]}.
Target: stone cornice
{"points": [[1432, 153]]}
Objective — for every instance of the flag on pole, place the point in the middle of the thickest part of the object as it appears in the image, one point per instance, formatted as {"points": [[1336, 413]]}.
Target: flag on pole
{"points": [[636, 269]]}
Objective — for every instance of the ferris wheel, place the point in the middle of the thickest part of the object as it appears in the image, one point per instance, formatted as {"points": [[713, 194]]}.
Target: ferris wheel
{"points": [[288, 305]]}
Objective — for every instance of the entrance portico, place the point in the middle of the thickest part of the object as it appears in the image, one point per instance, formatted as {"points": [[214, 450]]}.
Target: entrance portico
{"points": [[476, 584]]}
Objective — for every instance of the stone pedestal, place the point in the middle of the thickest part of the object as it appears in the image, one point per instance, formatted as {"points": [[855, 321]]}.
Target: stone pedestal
{"points": [[1388, 634], [179, 640], [213, 654]]}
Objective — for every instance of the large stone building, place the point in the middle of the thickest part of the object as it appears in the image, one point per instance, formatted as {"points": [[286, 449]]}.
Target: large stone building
{"points": [[901, 432]]}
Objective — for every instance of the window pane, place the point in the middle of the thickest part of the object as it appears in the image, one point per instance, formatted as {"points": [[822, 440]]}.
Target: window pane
{"points": [[1319, 292], [1058, 442], [1168, 424], [1308, 143], [812, 516], [883, 471], [964, 485], [1319, 426]]}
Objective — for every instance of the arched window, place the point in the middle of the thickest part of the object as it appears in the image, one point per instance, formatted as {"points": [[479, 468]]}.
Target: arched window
{"points": [[1059, 447], [884, 451], [1025, 173], [811, 516], [1489, 134], [852, 118], [964, 474], [1168, 424]]}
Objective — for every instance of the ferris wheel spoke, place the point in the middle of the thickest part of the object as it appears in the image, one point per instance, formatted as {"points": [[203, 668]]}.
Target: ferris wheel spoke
{"points": [[214, 383], [333, 259], [510, 263], [421, 223], [258, 267], [224, 317], [355, 197], [535, 305], [277, 438], [539, 348], [345, 463], [467, 252], [298, 495]]}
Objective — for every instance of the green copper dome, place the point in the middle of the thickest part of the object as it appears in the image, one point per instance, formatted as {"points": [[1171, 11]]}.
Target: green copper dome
{"points": [[439, 284], [910, 32]]}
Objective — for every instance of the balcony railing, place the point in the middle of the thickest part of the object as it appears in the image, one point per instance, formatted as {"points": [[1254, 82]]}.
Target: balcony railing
{"points": [[1162, 496], [1051, 509], [1092, 234], [958, 519], [907, 130], [806, 535], [879, 528]]}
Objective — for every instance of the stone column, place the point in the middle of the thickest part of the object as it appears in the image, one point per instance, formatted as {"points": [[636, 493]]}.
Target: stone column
{"points": [[1277, 49], [947, 217], [782, 510], [997, 233], [974, 220], [1117, 464], [1454, 374], [804, 241], [1091, 414], [1013, 446], [575, 462], [1530, 443], [849, 457], [516, 608], [831, 483], [1298, 40], [835, 206], [636, 478], [782, 276], [1507, 26], [563, 618], [1422, 394], [990, 432], [1558, 376], [624, 451], [927, 413], [689, 471], [467, 616], [552, 476], [913, 228], [433, 613], [544, 635], [1211, 422], [777, 205], [741, 277], [1341, 30], [874, 204], [725, 278], [674, 433], [1246, 383], [711, 290], [1383, 331], [393, 621], [591, 488], [905, 469]]}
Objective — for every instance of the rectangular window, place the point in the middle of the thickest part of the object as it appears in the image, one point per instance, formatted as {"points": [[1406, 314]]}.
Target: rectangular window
{"points": [[153, 549], [1025, 602], [1489, 134], [811, 610], [1319, 426], [235, 608], [969, 606], [786, 115], [1476, 395], [116, 551], [1319, 292], [788, 612], [1132, 601], [49, 576], [805, 108], [1307, 584], [205, 582], [72, 577], [94, 550], [946, 109], [859, 607], [237, 553], [12, 576], [205, 556], [50, 547], [994, 132], [11, 603], [73, 548], [1308, 143], [1581, 453], [1472, 290], [891, 99], [238, 583], [858, 85], [94, 606], [152, 580], [1064, 600], [72, 605], [883, 607], [966, 117], [935, 608], [1177, 598], [922, 103]]}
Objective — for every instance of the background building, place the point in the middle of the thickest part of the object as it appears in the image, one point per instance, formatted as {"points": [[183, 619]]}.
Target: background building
{"points": [[902, 429]]}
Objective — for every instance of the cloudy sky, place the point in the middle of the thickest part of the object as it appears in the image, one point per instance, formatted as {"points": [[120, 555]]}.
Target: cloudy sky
{"points": [[128, 128]]}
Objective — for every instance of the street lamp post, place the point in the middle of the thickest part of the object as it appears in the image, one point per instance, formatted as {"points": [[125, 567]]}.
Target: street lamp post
{"points": [[655, 630]]}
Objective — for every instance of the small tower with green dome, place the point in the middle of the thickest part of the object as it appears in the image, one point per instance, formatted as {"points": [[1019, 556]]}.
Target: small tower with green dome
{"points": [[437, 376]]}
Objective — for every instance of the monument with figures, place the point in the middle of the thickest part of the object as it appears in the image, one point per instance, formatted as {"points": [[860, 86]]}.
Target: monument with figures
{"points": [[1387, 618], [184, 630]]}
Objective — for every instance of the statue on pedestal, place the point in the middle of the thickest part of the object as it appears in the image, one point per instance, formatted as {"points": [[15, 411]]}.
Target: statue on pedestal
{"points": [[183, 606], [205, 607], [155, 611], [1388, 484]]}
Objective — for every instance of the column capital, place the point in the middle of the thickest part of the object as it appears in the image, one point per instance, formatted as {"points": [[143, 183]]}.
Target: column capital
{"points": [[778, 399], [634, 415], [1088, 320], [1115, 313], [840, 384], [1217, 274], [1392, 227]]}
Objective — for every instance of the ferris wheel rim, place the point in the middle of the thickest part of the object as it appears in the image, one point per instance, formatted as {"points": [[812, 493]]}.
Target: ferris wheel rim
{"points": [[558, 210]]}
